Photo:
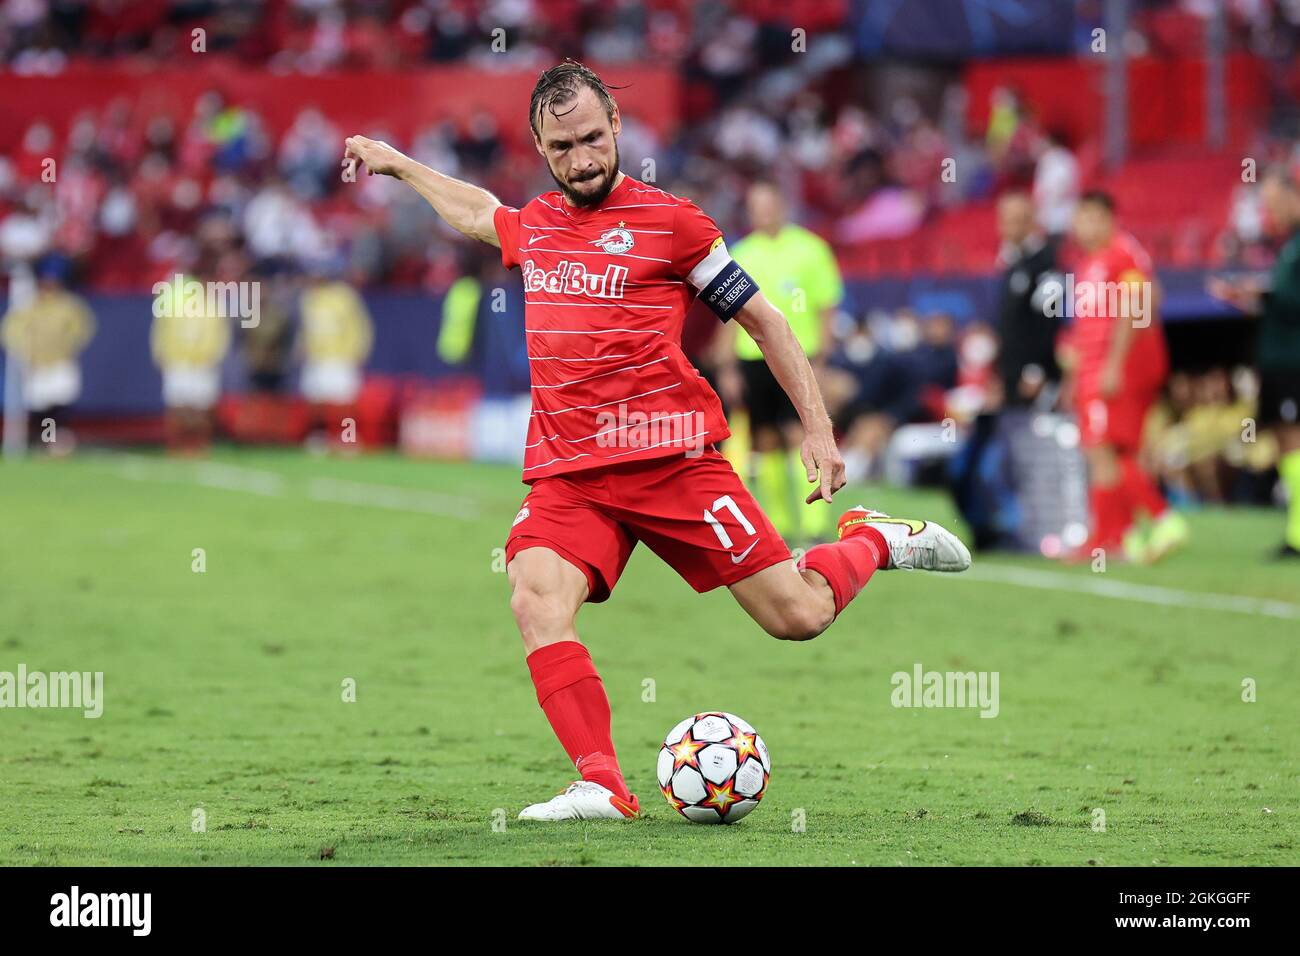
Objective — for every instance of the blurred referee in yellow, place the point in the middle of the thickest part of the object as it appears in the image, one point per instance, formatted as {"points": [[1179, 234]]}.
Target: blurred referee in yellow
{"points": [[796, 270]]}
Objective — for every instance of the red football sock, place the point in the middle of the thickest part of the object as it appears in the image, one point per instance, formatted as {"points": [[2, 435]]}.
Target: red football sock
{"points": [[1111, 513], [1141, 491], [573, 698], [847, 564]]}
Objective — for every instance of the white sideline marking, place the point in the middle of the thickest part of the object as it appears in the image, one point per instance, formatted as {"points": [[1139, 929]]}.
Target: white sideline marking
{"points": [[1127, 591], [270, 484], [213, 474], [209, 474], [393, 497], [337, 491]]}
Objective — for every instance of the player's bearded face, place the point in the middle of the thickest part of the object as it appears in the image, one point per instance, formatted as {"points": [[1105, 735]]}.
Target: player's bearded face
{"points": [[591, 184], [580, 143]]}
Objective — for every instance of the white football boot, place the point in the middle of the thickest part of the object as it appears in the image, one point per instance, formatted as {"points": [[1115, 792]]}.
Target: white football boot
{"points": [[914, 545], [583, 800]]}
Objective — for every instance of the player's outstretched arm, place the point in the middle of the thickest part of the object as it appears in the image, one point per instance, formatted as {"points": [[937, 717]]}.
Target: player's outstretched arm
{"points": [[785, 357], [466, 208]]}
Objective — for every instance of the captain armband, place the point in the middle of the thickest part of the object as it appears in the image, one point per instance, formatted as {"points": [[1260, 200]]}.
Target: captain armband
{"points": [[724, 286]]}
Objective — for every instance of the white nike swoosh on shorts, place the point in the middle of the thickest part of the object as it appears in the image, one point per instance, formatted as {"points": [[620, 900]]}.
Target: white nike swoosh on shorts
{"points": [[737, 558]]}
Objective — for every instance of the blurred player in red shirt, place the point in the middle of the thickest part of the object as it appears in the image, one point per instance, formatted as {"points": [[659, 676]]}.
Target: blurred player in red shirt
{"points": [[621, 441], [1117, 364]]}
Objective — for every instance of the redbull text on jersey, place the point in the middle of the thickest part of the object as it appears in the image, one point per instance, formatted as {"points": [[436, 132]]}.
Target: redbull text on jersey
{"points": [[572, 278]]}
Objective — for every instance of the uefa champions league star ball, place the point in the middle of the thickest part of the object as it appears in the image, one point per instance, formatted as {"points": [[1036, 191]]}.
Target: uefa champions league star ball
{"points": [[713, 768]]}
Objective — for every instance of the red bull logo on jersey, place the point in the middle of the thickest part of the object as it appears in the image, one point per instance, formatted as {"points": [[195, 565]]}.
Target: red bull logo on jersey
{"points": [[572, 278]]}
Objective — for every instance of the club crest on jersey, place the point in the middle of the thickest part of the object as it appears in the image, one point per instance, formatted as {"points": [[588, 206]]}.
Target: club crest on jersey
{"points": [[615, 241], [572, 278]]}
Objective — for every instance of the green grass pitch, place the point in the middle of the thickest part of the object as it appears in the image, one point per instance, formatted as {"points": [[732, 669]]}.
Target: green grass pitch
{"points": [[224, 689]]}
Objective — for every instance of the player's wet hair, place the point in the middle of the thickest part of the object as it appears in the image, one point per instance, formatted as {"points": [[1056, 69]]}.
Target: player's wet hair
{"points": [[1098, 197], [559, 86]]}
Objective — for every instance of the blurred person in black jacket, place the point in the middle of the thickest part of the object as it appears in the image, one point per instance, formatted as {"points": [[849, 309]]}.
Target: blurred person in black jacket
{"points": [[934, 360], [870, 391], [1027, 358], [1027, 375]]}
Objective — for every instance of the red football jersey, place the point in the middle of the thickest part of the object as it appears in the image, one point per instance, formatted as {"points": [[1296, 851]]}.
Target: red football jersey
{"points": [[606, 291], [1097, 291]]}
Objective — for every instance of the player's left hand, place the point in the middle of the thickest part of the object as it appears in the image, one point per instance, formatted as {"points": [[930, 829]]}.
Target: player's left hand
{"points": [[822, 458]]}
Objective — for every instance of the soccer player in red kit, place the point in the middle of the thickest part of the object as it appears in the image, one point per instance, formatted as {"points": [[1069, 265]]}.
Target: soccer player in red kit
{"points": [[1118, 361], [621, 444]]}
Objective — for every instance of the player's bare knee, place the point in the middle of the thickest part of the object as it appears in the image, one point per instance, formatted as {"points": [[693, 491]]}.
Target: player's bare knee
{"points": [[537, 612], [812, 621], [800, 622]]}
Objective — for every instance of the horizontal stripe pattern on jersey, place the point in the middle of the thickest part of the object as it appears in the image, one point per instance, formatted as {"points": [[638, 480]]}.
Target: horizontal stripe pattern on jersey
{"points": [[606, 291]]}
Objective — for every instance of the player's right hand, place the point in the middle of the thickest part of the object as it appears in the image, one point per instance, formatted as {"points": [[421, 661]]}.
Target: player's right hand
{"points": [[377, 156]]}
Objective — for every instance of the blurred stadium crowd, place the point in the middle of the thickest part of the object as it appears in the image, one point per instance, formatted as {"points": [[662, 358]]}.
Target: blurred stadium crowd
{"points": [[143, 198], [144, 195]]}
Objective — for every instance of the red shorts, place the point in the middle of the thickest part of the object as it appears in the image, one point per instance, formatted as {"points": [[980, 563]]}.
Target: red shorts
{"points": [[693, 512], [1116, 421]]}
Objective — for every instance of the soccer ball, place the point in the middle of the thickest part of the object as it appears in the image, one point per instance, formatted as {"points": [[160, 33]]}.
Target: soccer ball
{"points": [[713, 768]]}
